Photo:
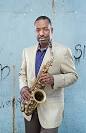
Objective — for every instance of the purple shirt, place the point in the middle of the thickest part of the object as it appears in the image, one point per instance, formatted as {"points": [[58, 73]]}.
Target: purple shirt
{"points": [[39, 58]]}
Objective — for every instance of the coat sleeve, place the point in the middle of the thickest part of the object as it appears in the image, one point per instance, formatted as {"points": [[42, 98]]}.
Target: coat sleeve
{"points": [[23, 72], [68, 73]]}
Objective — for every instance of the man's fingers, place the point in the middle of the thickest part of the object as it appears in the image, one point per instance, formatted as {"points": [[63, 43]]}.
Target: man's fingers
{"points": [[47, 79], [25, 95]]}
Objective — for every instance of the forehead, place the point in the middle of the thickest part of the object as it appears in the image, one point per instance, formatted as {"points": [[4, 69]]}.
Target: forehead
{"points": [[42, 23]]}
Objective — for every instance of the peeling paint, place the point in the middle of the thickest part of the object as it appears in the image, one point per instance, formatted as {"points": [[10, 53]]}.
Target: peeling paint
{"points": [[53, 6], [14, 102], [13, 112]]}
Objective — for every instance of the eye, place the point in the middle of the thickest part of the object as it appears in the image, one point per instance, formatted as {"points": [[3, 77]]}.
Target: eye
{"points": [[37, 30], [46, 29]]}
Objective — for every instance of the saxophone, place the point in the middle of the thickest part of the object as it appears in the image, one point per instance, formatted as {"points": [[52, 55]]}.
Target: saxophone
{"points": [[38, 95]]}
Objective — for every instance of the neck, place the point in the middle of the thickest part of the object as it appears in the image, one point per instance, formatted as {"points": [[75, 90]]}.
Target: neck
{"points": [[43, 45]]}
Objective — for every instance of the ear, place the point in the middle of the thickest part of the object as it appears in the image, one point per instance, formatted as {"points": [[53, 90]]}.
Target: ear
{"points": [[51, 29]]}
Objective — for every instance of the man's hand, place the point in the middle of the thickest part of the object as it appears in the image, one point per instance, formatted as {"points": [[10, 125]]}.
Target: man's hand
{"points": [[47, 79], [25, 93]]}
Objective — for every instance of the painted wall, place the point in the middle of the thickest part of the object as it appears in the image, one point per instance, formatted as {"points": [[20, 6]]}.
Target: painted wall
{"points": [[16, 32]]}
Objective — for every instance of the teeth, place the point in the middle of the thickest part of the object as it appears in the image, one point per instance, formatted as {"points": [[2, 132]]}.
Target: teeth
{"points": [[41, 38]]}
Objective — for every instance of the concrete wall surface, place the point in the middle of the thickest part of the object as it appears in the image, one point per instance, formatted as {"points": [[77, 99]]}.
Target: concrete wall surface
{"points": [[16, 32]]}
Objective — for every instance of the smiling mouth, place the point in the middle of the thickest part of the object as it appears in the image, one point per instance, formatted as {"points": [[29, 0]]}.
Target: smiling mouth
{"points": [[42, 38]]}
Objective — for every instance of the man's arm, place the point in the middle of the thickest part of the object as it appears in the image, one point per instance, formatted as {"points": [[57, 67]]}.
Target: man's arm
{"points": [[23, 72], [24, 89], [68, 73]]}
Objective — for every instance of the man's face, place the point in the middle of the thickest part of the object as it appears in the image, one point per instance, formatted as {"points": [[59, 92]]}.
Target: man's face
{"points": [[43, 31]]}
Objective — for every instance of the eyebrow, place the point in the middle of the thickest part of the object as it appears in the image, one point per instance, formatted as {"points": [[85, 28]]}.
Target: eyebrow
{"points": [[42, 27]]}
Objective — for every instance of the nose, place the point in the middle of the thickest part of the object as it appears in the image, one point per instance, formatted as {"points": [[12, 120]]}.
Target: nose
{"points": [[41, 33]]}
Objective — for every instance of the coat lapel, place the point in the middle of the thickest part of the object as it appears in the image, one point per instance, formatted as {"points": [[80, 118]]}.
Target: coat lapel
{"points": [[46, 58], [32, 62]]}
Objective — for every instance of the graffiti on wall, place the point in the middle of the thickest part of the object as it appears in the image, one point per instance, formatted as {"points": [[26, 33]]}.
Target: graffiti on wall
{"points": [[4, 71], [80, 51], [8, 103]]}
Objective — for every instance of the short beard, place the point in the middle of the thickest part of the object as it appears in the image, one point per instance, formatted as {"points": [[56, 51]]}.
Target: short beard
{"points": [[46, 41]]}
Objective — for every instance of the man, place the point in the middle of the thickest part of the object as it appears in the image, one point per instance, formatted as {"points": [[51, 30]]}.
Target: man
{"points": [[48, 115]]}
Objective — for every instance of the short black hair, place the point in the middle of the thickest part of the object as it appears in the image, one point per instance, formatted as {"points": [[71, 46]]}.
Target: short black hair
{"points": [[43, 17]]}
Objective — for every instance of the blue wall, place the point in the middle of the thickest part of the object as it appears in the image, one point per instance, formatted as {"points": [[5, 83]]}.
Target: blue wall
{"points": [[16, 32]]}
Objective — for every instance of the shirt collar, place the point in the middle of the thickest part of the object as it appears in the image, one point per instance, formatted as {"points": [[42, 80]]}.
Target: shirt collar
{"points": [[41, 49]]}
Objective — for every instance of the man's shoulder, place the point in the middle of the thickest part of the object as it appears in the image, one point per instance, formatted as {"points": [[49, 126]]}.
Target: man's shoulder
{"points": [[29, 49], [59, 46]]}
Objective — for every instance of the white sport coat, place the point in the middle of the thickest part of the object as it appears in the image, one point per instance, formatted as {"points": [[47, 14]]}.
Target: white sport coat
{"points": [[63, 70]]}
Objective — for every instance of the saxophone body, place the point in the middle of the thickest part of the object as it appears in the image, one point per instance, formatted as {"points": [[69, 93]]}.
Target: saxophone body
{"points": [[38, 94]]}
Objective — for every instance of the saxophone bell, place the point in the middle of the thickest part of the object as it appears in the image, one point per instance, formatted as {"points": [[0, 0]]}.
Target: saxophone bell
{"points": [[39, 95]]}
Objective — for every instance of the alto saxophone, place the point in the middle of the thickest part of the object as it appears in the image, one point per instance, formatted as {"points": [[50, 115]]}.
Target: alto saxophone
{"points": [[38, 95]]}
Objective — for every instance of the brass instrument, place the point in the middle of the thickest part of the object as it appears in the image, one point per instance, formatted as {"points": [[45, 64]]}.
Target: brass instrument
{"points": [[38, 95]]}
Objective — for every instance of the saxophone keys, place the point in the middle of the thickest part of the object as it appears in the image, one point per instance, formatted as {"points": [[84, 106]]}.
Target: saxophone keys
{"points": [[22, 108], [31, 102]]}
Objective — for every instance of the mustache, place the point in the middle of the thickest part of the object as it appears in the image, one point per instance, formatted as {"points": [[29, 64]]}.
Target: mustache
{"points": [[41, 37]]}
